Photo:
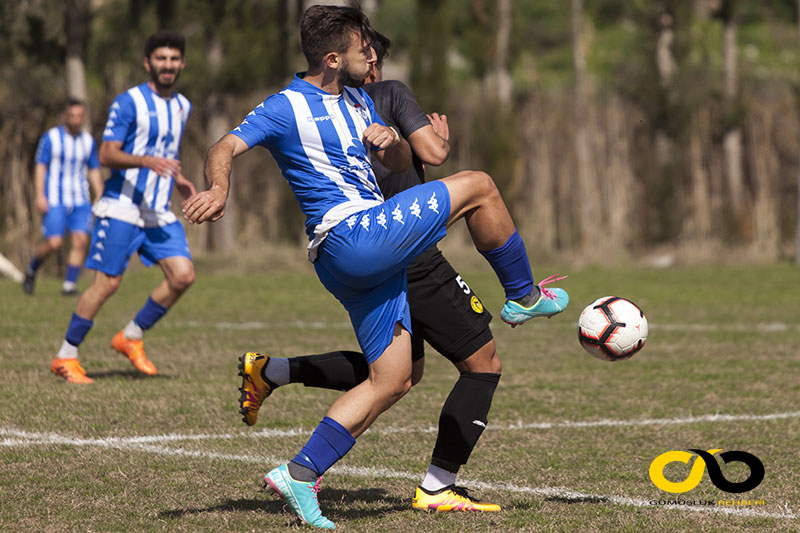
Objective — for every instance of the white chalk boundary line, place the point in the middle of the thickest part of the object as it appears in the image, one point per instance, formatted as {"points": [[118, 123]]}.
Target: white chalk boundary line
{"points": [[367, 472], [14, 437], [770, 327]]}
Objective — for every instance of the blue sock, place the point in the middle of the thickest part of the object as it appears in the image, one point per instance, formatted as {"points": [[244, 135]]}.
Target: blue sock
{"points": [[150, 314], [510, 263], [34, 265], [329, 443], [77, 330], [72, 273]]}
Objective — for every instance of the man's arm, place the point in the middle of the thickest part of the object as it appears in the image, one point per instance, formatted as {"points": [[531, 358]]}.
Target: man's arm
{"points": [[112, 155], [39, 173], [96, 182], [209, 205], [431, 143], [389, 147]]}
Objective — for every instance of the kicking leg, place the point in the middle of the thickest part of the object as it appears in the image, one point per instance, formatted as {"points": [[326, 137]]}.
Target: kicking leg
{"points": [[475, 198]]}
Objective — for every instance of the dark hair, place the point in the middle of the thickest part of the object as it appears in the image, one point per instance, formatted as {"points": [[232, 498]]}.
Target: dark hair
{"points": [[326, 29], [381, 45], [165, 38], [72, 101]]}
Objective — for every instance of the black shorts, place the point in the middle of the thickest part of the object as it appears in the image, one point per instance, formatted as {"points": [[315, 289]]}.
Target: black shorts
{"points": [[444, 310]]}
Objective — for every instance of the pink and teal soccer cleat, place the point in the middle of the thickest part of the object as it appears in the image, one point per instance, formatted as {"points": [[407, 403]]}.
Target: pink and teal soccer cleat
{"points": [[550, 303], [301, 496]]}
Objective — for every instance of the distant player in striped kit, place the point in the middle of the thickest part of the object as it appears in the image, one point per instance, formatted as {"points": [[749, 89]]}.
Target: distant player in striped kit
{"points": [[141, 143], [66, 164]]}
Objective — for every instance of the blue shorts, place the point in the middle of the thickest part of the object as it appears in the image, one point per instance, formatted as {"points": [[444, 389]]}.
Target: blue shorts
{"points": [[59, 219], [362, 261], [115, 241]]}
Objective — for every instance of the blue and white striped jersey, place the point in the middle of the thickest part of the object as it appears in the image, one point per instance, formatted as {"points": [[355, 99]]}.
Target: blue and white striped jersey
{"points": [[68, 159], [315, 137], [146, 124]]}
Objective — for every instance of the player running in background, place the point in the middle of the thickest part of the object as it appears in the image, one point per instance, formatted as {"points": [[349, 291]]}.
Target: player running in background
{"points": [[320, 129], [66, 164], [141, 142], [444, 311]]}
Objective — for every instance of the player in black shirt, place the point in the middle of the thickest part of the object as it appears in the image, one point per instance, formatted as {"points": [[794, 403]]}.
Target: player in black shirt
{"points": [[444, 311]]}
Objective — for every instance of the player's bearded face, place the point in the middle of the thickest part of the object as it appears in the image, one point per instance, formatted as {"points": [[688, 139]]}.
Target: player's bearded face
{"points": [[356, 63], [165, 66]]}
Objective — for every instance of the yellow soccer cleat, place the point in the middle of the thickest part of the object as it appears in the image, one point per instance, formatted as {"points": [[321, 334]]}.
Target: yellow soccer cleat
{"points": [[134, 350], [71, 370], [254, 388], [450, 498]]}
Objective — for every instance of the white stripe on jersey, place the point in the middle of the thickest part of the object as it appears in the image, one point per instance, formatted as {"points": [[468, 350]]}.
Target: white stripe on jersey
{"points": [[311, 142], [346, 140], [67, 181], [54, 168]]}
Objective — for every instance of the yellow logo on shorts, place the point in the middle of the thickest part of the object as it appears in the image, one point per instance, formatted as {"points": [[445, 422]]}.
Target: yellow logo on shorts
{"points": [[476, 304]]}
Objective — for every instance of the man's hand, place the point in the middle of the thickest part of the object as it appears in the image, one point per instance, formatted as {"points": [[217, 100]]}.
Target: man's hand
{"points": [[162, 166], [440, 127], [41, 204], [184, 186], [377, 136], [205, 206]]}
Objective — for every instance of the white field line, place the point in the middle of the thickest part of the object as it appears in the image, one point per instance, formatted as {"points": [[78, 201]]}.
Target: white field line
{"points": [[770, 327], [22, 438], [304, 432]]}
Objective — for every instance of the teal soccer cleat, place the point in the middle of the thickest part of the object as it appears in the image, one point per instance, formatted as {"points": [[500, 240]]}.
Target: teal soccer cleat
{"points": [[301, 496], [550, 303]]}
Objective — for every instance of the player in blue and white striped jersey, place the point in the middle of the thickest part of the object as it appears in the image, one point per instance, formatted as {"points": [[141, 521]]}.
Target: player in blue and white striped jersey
{"points": [[141, 143], [66, 164], [319, 129]]}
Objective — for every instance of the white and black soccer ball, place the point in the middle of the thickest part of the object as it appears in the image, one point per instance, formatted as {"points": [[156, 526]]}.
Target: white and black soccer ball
{"points": [[612, 328]]}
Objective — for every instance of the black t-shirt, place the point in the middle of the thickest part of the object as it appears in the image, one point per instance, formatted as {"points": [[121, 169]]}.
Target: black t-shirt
{"points": [[397, 107]]}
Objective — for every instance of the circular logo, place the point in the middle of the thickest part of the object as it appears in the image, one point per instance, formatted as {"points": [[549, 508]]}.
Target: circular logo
{"points": [[476, 304]]}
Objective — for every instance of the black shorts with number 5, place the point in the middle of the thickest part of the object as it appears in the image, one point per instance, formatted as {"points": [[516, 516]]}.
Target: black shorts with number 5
{"points": [[445, 311]]}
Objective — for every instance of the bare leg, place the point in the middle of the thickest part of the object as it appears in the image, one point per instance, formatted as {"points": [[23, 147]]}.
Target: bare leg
{"points": [[178, 276], [77, 251], [93, 298], [389, 380], [475, 198]]}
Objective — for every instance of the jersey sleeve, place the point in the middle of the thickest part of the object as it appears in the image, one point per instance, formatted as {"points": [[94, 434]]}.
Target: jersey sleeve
{"points": [[43, 150], [121, 117], [94, 159], [406, 112], [269, 122]]}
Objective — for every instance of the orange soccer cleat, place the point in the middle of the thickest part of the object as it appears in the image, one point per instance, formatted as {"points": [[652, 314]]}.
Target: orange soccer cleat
{"points": [[71, 370], [134, 350]]}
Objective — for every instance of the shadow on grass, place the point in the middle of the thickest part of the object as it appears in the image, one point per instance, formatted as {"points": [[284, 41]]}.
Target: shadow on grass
{"points": [[577, 499], [334, 503], [130, 374]]}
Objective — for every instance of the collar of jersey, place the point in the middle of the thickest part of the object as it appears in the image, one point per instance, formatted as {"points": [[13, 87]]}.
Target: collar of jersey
{"points": [[302, 86], [146, 87]]}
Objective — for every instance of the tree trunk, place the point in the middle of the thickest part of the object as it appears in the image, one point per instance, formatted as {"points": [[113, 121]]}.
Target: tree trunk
{"points": [[732, 140], [589, 215], [797, 210], [764, 167], [697, 224], [221, 236], [76, 23]]}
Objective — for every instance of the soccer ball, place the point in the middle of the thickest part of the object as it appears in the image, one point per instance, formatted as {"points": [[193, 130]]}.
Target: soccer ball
{"points": [[612, 328]]}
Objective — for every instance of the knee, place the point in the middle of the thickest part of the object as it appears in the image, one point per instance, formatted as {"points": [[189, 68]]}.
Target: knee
{"points": [[483, 183], [399, 389], [108, 285], [54, 243], [485, 361], [182, 279]]}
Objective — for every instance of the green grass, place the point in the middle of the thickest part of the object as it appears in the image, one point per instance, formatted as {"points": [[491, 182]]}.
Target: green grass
{"points": [[725, 363]]}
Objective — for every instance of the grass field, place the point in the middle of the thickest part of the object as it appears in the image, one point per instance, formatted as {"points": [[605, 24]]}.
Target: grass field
{"points": [[569, 442]]}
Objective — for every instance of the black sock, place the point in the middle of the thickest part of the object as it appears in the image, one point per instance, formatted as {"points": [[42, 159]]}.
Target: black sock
{"points": [[468, 402], [301, 472], [340, 370]]}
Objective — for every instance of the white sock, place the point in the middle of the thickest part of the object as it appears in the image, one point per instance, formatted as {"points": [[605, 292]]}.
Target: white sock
{"points": [[278, 370], [67, 351], [132, 331], [69, 285], [438, 478]]}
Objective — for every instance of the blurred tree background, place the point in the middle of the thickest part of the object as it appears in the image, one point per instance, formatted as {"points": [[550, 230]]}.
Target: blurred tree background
{"points": [[613, 127]]}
